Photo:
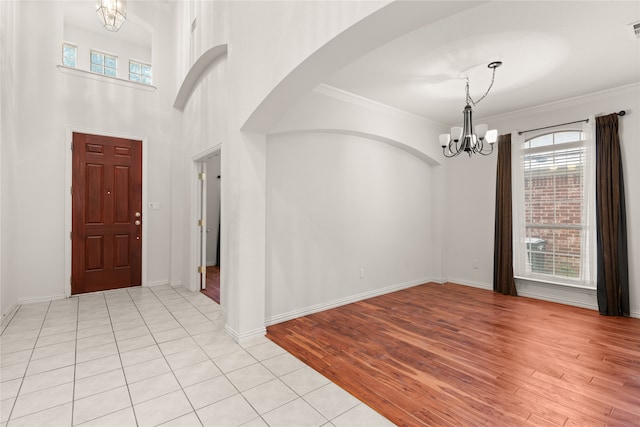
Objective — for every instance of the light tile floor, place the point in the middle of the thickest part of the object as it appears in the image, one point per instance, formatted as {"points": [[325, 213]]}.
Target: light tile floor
{"points": [[156, 356]]}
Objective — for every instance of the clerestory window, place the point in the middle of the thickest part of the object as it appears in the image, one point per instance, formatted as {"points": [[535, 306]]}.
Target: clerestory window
{"points": [[140, 72], [103, 63], [69, 55]]}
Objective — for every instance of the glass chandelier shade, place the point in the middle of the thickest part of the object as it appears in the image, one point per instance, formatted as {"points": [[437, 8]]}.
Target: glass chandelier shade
{"points": [[467, 139], [112, 13]]}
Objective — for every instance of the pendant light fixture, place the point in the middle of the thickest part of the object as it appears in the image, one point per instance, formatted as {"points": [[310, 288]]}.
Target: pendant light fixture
{"points": [[467, 139], [112, 13]]}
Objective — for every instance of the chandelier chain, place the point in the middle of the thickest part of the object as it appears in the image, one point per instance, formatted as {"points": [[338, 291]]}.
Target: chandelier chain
{"points": [[470, 100]]}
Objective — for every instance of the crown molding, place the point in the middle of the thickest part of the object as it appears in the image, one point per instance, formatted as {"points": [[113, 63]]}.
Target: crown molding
{"points": [[563, 103], [361, 101]]}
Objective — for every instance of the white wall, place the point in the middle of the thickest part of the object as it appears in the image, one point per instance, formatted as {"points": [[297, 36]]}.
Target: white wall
{"points": [[470, 196], [49, 103], [87, 40], [337, 204], [255, 65], [8, 148]]}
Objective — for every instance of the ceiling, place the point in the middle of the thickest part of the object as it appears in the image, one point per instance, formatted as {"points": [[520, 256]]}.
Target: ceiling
{"points": [[551, 50], [82, 14]]}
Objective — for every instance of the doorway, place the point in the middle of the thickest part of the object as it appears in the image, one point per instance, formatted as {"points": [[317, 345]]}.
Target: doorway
{"points": [[106, 211], [210, 232]]}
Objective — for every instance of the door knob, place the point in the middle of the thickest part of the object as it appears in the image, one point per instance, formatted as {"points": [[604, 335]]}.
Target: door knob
{"points": [[137, 222], [137, 214]]}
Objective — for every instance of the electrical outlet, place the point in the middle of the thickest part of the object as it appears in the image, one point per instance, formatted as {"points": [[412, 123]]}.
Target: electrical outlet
{"points": [[475, 264], [362, 273]]}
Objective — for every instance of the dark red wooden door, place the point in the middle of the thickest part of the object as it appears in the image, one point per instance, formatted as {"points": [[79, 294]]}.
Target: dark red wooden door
{"points": [[106, 233]]}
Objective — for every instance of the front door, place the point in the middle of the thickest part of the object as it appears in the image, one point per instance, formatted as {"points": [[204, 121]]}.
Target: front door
{"points": [[106, 237]]}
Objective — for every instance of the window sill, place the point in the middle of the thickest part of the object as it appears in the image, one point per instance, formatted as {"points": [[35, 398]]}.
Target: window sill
{"points": [[107, 79], [554, 283]]}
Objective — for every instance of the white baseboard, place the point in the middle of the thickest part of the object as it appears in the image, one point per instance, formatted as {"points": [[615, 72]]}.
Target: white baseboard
{"points": [[40, 299], [279, 318], [176, 283], [158, 283], [470, 283], [8, 315], [245, 337]]}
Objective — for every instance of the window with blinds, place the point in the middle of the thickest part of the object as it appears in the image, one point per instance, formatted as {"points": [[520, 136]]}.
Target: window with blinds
{"points": [[555, 209]]}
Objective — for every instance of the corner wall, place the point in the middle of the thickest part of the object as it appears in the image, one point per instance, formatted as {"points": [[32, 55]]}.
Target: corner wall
{"points": [[347, 218]]}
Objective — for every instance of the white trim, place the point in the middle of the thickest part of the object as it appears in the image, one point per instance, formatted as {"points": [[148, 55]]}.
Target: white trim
{"points": [[36, 300], [176, 283], [558, 300], [68, 200], [479, 285], [272, 320], [6, 317], [107, 79], [554, 283], [361, 101], [247, 337], [563, 295], [562, 103], [158, 283], [194, 235]]}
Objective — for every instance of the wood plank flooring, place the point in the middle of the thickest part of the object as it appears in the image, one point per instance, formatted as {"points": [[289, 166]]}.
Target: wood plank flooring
{"points": [[445, 355], [212, 289]]}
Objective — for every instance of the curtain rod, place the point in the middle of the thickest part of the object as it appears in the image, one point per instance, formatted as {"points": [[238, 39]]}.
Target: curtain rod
{"points": [[620, 113]]}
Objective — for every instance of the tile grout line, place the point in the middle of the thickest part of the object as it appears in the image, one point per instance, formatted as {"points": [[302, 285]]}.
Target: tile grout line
{"points": [[163, 355], [115, 340], [29, 361], [257, 362], [75, 362]]}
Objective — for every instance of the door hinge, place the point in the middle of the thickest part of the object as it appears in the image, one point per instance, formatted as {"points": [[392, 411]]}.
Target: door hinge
{"points": [[202, 176], [201, 222], [202, 269], [71, 235], [71, 190], [71, 145]]}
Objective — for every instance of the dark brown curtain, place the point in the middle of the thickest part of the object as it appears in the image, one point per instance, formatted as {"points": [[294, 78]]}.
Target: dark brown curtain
{"points": [[503, 280], [611, 221]]}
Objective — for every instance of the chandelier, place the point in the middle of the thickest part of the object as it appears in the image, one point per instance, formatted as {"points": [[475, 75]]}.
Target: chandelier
{"points": [[112, 13], [466, 138]]}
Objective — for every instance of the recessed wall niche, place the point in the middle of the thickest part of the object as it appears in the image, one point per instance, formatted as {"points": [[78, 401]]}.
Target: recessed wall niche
{"points": [[133, 42]]}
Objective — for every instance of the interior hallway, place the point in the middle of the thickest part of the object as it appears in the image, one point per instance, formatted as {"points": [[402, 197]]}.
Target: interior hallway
{"points": [[213, 283], [156, 356]]}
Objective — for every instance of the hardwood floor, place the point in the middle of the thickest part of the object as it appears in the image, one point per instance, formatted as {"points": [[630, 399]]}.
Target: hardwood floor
{"points": [[444, 355], [212, 289]]}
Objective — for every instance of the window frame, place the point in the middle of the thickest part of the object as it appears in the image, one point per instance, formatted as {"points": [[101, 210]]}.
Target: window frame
{"points": [[140, 75], [523, 250], [104, 60], [75, 56]]}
